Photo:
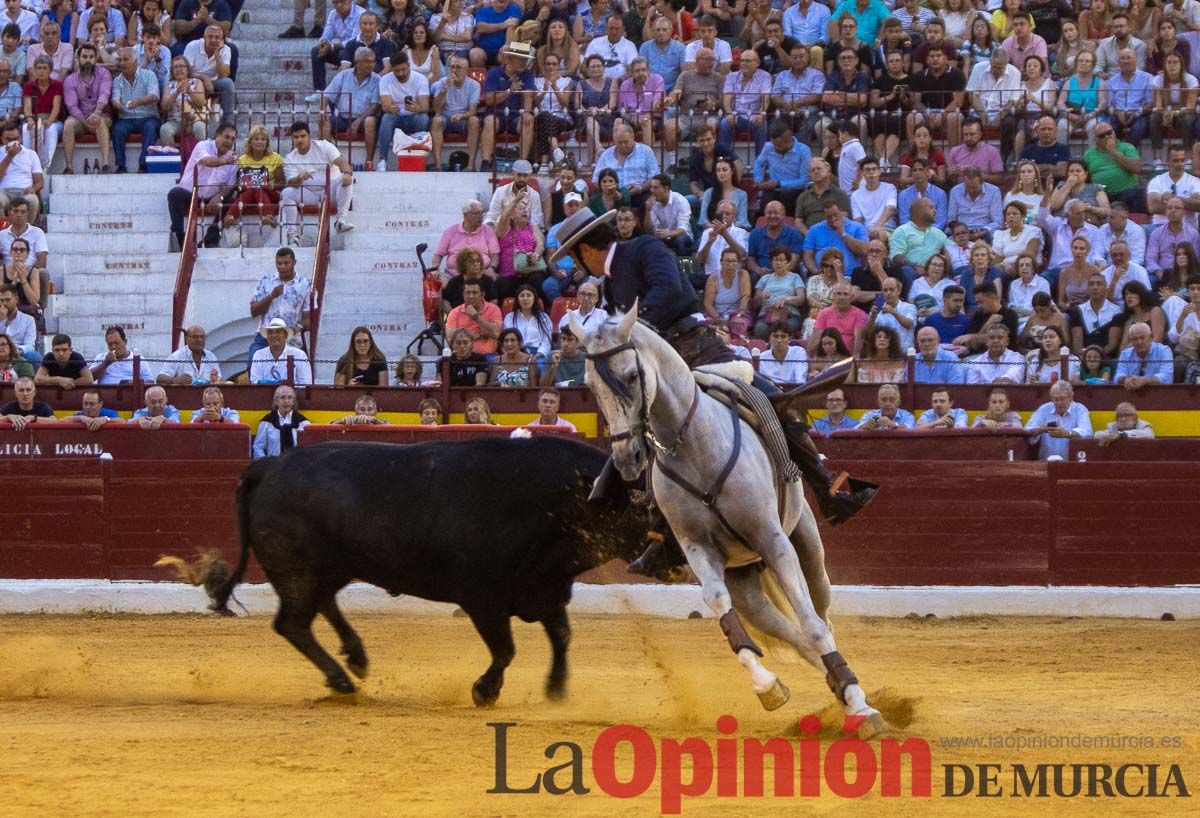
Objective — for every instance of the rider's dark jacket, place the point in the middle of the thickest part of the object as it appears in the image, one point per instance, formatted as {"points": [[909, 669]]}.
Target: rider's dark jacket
{"points": [[645, 269]]}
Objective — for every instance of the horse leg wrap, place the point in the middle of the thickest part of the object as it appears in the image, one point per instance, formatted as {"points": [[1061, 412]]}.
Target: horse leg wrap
{"points": [[735, 632], [838, 674]]}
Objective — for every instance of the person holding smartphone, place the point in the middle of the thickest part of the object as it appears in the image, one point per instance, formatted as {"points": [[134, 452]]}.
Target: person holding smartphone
{"points": [[1055, 424], [889, 312]]}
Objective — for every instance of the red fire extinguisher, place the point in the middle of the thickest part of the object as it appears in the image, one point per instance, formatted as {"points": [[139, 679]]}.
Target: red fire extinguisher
{"points": [[431, 296]]}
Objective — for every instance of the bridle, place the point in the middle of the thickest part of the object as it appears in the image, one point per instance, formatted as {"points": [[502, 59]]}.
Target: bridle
{"points": [[642, 428]]}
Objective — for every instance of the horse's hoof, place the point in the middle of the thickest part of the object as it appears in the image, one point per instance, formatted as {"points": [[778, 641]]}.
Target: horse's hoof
{"points": [[481, 698], [872, 726], [340, 684], [776, 697], [359, 669]]}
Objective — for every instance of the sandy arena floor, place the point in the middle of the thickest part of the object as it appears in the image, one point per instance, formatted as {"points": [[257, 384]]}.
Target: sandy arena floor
{"points": [[190, 715]]}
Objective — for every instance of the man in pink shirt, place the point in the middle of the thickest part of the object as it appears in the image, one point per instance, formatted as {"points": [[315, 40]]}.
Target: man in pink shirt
{"points": [[86, 92], [482, 319], [747, 92], [212, 168], [641, 98], [848, 320], [471, 233], [52, 46], [1023, 43]]}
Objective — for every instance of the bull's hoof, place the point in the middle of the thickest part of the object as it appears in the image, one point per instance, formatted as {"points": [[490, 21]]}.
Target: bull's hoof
{"points": [[556, 689], [482, 697], [352, 699], [776, 697], [340, 684], [359, 669], [872, 726]]}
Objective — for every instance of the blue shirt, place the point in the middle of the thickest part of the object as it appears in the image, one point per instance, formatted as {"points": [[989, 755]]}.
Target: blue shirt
{"points": [[338, 29], [789, 169], [948, 328], [104, 412], [667, 63], [946, 368], [790, 87], [566, 263], [986, 211], [868, 20], [11, 99], [1134, 94], [821, 237], [498, 80], [1158, 363], [761, 243], [637, 169], [144, 84], [809, 29], [169, 412], [162, 70], [492, 42], [826, 427], [1075, 419], [230, 415], [903, 417], [347, 88], [959, 415], [933, 193]]}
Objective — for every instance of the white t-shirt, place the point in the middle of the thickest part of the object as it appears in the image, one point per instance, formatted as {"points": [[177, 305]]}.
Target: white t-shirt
{"points": [[867, 205], [1020, 294], [1175, 92], [550, 103], [1187, 186], [21, 169], [1008, 247], [792, 369], [321, 154], [202, 64], [264, 366], [33, 234], [389, 86], [1135, 272], [712, 265], [616, 56], [722, 53], [851, 152], [920, 286]]}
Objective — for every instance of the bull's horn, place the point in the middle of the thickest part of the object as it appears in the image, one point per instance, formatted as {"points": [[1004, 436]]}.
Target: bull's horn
{"points": [[625, 329]]}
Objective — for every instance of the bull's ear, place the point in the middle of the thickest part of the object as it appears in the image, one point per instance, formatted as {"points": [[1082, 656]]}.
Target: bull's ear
{"points": [[625, 330], [577, 329]]}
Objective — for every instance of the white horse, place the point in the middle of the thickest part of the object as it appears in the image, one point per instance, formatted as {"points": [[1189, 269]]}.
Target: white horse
{"points": [[714, 482]]}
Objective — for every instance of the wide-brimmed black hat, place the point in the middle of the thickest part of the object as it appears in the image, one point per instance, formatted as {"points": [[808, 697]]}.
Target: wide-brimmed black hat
{"points": [[575, 228]]}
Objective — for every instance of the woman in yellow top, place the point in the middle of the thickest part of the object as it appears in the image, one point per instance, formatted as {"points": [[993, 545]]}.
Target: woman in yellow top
{"points": [[259, 178]]}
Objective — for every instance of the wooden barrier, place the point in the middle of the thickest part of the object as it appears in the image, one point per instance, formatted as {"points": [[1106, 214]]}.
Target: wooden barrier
{"points": [[125, 441], [322, 433], [933, 444]]}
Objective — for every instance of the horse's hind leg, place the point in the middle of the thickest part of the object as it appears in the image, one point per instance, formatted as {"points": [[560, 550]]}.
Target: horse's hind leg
{"points": [[352, 645], [294, 623], [558, 630], [709, 567]]}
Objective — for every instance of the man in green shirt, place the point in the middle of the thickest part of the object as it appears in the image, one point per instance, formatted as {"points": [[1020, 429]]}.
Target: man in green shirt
{"points": [[1116, 166]]}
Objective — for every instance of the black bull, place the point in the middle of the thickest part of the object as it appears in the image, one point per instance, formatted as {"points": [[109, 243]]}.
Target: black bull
{"points": [[499, 527]]}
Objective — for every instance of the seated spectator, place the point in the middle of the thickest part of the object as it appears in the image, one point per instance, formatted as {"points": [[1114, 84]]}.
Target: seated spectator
{"points": [[1045, 314], [36, 249], [779, 296], [609, 194], [478, 412], [1123, 271], [63, 367], [304, 169], [629, 226], [508, 93], [1049, 157], [848, 320], [259, 180], [1077, 185], [702, 165], [1018, 238], [531, 321], [1144, 362], [708, 40], [1044, 364], [835, 418], [889, 415], [796, 93], [665, 54], [13, 52], [976, 203], [54, 48], [548, 403], [1175, 182], [108, 53], [513, 367], [20, 168], [764, 239], [369, 37], [958, 248], [587, 314], [640, 99], [1024, 287], [1120, 228], [994, 88], [471, 232], [491, 26], [746, 95], [404, 100], [998, 364], [116, 366], [467, 367], [930, 113], [152, 54], [353, 102], [810, 204], [522, 248], [270, 365], [951, 321], [1053, 425], [277, 432], [25, 409], [86, 92], [844, 106], [889, 312], [135, 99], [156, 412], [340, 26], [837, 232], [282, 294], [410, 371], [669, 216], [214, 410], [20, 273], [933, 363], [720, 235], [873, 203], [598, 100], [991, 311], [1128, 99], [566, 363], [727, 293], [922, 187], [1127, 425], [943, 414], [564, 275], [1141, 305], [210, 60], [454, 104], [1027, 188], [891, 103], [980, 276], [561, 44], [556, 98], [926, 292], [783, 363], [881, 359], [634, 163], [365, 414], [1166, 237], [184, 109], [1115, 167], [999, 414], [430, 411], [212, 171], [151, 13], [725, 188], [13, 364], [11, 95], [1093, 369], [915, 242], [363, 364], [93, 413], [43, 111]]}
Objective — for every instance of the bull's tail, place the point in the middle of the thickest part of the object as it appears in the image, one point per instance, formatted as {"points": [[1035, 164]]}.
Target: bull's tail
{"points": [[245, 496]]}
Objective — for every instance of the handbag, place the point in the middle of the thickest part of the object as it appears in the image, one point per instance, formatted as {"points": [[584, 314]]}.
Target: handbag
{"points": [[1189, 344], [522, 263]]}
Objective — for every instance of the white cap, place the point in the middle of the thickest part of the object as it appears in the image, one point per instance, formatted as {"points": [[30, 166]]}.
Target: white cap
{"points": [[572, 197]]}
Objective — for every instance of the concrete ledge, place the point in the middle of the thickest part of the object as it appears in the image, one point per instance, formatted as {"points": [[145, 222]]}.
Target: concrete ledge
{"points": [[673, 601]]}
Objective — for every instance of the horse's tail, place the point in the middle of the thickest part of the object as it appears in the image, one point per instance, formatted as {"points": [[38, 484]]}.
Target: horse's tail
{"points": [[778, 649]]}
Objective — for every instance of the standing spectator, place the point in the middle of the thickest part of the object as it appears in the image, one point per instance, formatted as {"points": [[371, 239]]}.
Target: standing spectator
{"points": [[1144, 362], [404, 98], [116, 366], [522, 248], [341, 26], [850, 153], [53, 48], [26, 408], [212, 171], [508, 94], [268, 364], [1053, 425], [692, 108], [63, 366], [210, 61], [43, 110], [192, 363], [996, 90], [455, 102], [277, 432], [282, 294], [305, 168], [135, 100], [156, 412], [213, 408]]}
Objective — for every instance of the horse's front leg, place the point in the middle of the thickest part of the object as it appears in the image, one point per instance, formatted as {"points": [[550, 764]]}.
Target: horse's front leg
{"points": [[709, 566]]}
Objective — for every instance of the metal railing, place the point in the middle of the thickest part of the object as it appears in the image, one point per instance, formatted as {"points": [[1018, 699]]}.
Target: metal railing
{"points": [[316, 295], [187, 263]]}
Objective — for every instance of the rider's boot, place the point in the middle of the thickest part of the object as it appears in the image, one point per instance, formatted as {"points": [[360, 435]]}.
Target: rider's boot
{"points": [[662, 554], [839, 496], [606, 482]]}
